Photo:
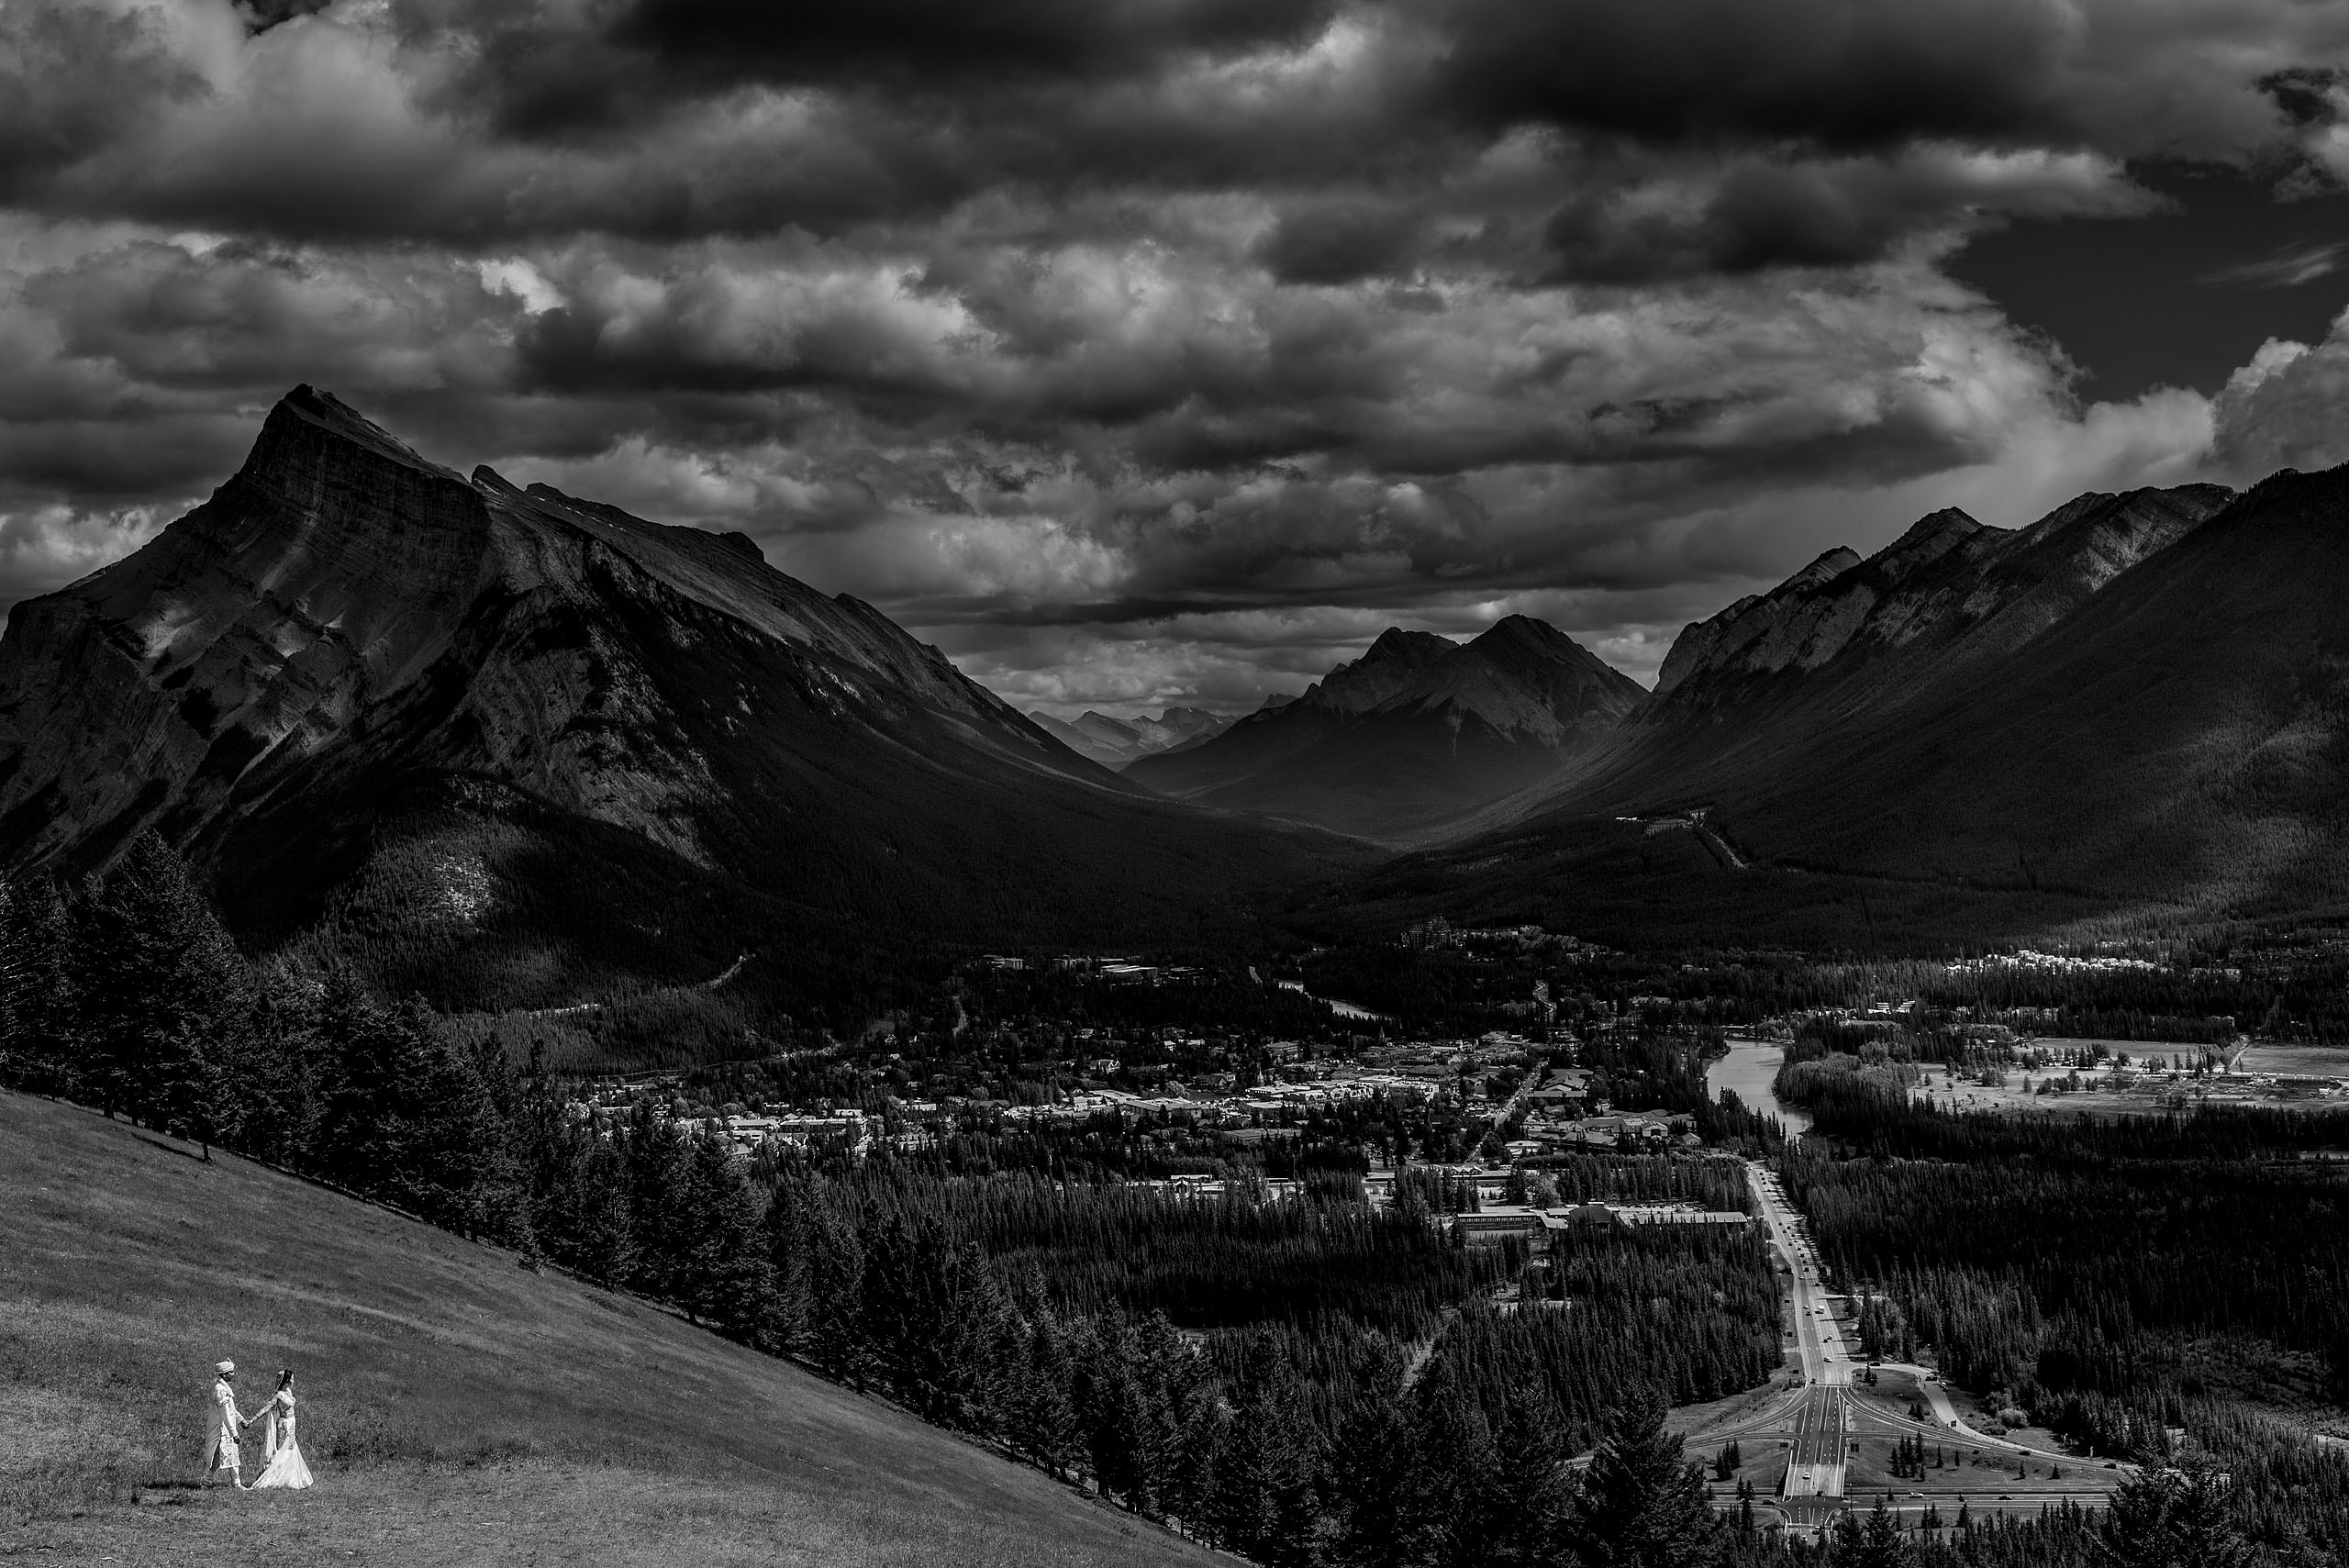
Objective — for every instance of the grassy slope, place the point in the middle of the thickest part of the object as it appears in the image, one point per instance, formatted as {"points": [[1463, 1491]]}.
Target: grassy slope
{"points": [[457, 1407]]}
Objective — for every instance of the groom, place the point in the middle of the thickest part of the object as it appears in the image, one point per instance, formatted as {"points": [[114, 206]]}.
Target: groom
{"points": [[227, 1426]]}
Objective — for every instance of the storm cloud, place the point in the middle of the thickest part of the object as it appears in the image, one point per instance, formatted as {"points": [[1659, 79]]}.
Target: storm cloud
{"points": [[1139, 350]]}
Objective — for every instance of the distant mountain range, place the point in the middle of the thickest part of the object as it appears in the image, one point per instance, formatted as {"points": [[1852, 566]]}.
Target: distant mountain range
{"points": [[1114, 742], [2132, 713], [502, 744], [1416, 732], [1948, 593]]}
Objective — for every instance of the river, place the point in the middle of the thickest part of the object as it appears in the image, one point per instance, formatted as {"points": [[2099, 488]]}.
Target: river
{"points": [[1748, 1068]]}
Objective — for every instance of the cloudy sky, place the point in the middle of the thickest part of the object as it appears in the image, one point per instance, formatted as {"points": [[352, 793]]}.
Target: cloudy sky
{"points": [[1141, 352]]}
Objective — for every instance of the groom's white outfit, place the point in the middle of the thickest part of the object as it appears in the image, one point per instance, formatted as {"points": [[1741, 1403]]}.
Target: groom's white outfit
{"points": [[226, 1426]]}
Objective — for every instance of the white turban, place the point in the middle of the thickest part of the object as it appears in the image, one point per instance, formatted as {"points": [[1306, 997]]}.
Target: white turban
{"points": [[226, 1367]]}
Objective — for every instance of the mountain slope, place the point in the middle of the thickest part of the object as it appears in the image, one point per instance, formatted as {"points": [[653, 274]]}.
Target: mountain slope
{"points": [[1416, 731], [453, 718], [1947, 592], [456, 1409], [1115, 742], [2182, 737], [2169, 740]]}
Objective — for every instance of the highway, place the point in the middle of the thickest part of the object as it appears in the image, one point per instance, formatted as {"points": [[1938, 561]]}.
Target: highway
{"points": [[1820, 1417], [1822, 1420]]}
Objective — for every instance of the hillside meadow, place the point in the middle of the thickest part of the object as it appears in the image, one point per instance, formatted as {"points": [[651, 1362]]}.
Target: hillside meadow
{"points": [[457, 1407]]}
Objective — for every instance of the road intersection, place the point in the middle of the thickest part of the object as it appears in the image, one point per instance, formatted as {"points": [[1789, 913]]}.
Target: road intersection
{"points": [[1822, 1415]]}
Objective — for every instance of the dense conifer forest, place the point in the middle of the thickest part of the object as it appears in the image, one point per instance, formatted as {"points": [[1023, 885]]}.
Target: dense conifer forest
{"points": [[1309, 1379], [2120, 1280], [1260, 1373]]}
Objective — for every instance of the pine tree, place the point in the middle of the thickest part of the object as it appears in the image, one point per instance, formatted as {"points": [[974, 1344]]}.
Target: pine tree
{"points": [[583, 1220], [1038, 1415], [161, 990], [1451, 1491], [723, 1276], [1265, 1505], [1188, 1489], [39, 1034], [1531, 1493], [835, 1294], [926, 1304], [2178, 1516], [1370, 1474], [1109, 1405], [656, 1187], [1641, 1506], [1873, 1542]]}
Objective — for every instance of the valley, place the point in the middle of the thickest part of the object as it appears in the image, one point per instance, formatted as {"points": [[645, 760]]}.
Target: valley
{"points": [[1833, 1092], [1287, 784]]}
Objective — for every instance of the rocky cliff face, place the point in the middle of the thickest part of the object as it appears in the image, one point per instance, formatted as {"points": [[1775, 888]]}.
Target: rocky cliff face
{"points": [[1525, 679], [352, 675], [337, 576], [1392, 666], [1950, 589]]}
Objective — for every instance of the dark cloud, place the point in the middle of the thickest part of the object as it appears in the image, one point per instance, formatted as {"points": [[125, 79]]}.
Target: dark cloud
{"points": [[2307, 94], [553, 74], [129, 457], [1847, 74], [929, 41], [1184, 340], [75, 80], [1757, 213], [1339, 240]]}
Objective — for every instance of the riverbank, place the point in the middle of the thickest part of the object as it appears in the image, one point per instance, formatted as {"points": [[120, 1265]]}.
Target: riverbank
{"points": [[1750, 1069]]}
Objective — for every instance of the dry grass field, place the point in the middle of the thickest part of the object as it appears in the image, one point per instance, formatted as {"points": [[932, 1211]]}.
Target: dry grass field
{"points": [[457, 1408], [2315, 1061]]}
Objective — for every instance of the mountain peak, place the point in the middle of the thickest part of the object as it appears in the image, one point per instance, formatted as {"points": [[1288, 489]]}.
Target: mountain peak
{"points": [[1397, 646], [1419, 727], [1933, 524], [306, 408], [1529, 647], [1825, 568], [1522, 629], [1928, 538], [1949, 588]]}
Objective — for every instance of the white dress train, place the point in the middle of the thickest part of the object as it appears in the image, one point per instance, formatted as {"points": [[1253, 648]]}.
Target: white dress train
{"points": [[280, 1449]]}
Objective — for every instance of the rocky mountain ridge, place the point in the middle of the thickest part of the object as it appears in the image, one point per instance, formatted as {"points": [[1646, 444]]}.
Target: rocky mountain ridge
{"points": [[369, 694], [1416, 729], [1950, 588], [2130, 716]]}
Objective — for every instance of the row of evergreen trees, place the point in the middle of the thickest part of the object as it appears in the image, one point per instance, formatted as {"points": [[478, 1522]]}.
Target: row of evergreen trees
{"points": [[126, 995]]}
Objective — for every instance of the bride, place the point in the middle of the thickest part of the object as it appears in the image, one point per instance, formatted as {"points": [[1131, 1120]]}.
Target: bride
{"points": [[278, 1445]]}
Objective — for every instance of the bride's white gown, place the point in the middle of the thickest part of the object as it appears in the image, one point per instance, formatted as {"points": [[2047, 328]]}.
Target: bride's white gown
{"points": [[279, 1448]]}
